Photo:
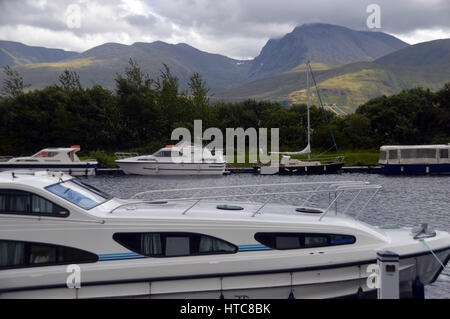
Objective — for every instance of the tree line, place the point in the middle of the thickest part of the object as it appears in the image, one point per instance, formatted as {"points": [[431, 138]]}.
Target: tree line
{"points": [[140, 114]]}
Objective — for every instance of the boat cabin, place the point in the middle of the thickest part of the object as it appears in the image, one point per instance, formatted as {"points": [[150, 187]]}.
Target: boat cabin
{"points": [[52, 154], [415, 154]]}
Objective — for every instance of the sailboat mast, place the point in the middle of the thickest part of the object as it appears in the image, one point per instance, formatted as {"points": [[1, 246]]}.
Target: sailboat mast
{"points": [[307, 107]]}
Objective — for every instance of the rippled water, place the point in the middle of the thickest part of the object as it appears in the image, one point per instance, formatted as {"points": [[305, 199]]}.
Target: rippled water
{"points": [[406, 201]]}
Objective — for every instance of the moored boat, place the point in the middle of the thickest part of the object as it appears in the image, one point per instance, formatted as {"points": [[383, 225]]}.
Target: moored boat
{"points": [[62, 159], [415, 159], [196, 247], [309, 166], [181, 159]]}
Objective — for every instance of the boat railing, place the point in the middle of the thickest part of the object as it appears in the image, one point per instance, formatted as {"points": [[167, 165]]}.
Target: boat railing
{"points": [[89, 160], [123, 155], [5, 158], [333, 159], [335, 191]]}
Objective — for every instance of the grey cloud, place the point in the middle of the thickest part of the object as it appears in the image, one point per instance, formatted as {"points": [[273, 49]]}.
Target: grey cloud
{"points": [[232, 27], [142, 21], [397, 16]]}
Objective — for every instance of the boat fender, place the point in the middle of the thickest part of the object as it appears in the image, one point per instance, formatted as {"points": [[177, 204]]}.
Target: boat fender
{"points": [[291, 295], [221, 289], [418, 289], [360, 294]]}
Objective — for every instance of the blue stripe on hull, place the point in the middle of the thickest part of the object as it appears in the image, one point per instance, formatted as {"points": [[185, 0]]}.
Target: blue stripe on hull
{"points": [[415, 169], [123, 256]]}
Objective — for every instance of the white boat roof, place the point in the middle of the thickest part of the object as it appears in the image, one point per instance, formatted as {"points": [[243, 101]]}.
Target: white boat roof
{"points": [[408, 147], [27, 177], [185, 210], [59, 149]]}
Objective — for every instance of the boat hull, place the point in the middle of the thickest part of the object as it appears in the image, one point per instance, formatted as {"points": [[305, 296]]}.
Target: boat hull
{"points": [[321, 282], [71, 169], [152, 168], [415, 169]]}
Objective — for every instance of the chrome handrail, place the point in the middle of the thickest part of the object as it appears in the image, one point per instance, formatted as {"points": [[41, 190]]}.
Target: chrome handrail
{"points": [[5, 158], [336, 187], [242, 186], [123, 155]]}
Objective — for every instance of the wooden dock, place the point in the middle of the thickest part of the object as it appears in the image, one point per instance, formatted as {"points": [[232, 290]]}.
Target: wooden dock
{"points": [[252, 170]]}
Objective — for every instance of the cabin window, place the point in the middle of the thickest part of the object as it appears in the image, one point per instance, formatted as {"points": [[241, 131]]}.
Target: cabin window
{"points": [[30, 254], [407, 154], [20, 202], [177, 246], [12, 254], [383, 155], [393, 154], [426, 153], [164, 154], [316, 241], [287, 242], [173, 244], [284, 241], [46, 154], [443, 153], [79, 193], [418, 153]]}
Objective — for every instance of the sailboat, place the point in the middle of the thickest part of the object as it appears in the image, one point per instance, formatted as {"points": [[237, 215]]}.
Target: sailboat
{"points": [[289, 166]]}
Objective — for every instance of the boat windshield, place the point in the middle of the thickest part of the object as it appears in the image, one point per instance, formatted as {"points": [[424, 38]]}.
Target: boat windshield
{"points": [[81, 194]]}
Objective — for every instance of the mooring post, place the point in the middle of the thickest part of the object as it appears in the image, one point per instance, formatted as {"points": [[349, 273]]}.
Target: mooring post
{"points": [[389, 279]]}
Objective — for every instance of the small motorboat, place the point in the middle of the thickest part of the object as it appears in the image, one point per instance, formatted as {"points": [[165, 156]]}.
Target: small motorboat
{"points": [[180, 159], [54, 226], [52, 159]]}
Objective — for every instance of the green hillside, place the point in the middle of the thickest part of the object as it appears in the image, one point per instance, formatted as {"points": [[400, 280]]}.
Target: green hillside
{"points": [[425, 64], [15, 53], [101, 64]]}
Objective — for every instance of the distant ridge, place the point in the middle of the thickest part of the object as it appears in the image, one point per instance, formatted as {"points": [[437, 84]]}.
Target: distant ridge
{"points": [[436, 52], [101, 64], [350, 66], [15, 53]]}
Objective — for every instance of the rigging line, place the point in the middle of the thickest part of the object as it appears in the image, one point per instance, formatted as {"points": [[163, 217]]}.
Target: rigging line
{"points": [[326, 150], [323, 110], [446, 270]]}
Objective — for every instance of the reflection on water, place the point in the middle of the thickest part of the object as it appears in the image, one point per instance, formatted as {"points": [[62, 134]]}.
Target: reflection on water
{"points": [[406, 201]]}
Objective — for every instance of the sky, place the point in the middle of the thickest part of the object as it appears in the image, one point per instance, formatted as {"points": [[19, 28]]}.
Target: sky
{"points": [[235, 28]]}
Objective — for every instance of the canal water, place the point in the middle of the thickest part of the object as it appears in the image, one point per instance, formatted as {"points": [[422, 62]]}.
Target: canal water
{"points": [[406, 201]]}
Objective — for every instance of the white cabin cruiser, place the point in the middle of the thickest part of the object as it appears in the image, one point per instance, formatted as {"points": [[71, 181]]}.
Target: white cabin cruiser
{"points": [[53, 159], [194, 247], [181, 159]]}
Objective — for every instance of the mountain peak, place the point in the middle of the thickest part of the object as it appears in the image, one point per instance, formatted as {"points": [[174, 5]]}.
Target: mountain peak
{"points": [[322, 42]]}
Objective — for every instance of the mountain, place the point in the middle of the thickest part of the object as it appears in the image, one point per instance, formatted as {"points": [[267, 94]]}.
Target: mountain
{"points": [[101, 64], [15, 53], [425, 64], [350, 66], [329, 44], [321, 42], [430, 53]]}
